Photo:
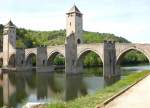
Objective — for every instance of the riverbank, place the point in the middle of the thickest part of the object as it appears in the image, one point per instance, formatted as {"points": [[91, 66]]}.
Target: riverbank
{"points": [[135, 97], [91, 101]]}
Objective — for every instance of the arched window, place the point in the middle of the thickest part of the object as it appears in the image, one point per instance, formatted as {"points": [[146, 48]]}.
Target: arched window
{"points": [[78, 41]]}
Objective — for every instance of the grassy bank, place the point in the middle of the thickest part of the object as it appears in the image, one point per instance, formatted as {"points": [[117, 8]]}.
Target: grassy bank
{"points": [[90, 101]]}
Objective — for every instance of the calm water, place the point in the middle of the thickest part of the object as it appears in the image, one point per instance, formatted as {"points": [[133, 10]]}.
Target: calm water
{"points": [[23, 87]]}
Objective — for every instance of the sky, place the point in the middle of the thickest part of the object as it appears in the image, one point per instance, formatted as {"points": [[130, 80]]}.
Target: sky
{"points": [[126, 18]]}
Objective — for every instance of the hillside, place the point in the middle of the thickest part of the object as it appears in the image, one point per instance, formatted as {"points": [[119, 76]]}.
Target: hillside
{"points": [[30, 38]]}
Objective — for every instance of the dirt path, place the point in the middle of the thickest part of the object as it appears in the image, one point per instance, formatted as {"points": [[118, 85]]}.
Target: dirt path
{"points": [[136, 97]]}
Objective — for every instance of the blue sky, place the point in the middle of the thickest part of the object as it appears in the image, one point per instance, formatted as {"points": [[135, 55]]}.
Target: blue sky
{"points": [[127, 18]]}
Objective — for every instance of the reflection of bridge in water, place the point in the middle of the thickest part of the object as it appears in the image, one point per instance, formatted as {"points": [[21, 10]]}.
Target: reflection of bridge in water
{"points": [[73, 51], [33, 87]]}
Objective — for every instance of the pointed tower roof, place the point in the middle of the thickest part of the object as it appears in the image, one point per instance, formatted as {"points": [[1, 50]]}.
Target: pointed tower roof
{"points": [[74, 9], [10, 24]]}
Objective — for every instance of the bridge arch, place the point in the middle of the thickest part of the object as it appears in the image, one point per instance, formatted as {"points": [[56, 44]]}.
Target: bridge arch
{"points": [[81, 57], [27, 54], [30, 59], [123, 52], [52, 56], [12, 61], [85, 51]]}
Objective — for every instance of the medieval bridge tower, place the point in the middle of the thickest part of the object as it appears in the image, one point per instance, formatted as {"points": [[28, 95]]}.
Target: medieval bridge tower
{"points": [[73, 38], [9, 44], [74, 24]]}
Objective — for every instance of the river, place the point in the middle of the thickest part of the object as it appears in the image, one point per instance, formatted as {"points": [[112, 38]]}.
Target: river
{"points": [[22, 87]]}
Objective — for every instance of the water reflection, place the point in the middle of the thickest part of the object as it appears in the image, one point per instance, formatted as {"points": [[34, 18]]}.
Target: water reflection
{"points": [[74, 87], [16, 89]]}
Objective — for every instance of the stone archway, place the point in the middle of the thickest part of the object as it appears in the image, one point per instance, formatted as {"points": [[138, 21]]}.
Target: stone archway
{"points": [[31, 60], [124, 52], [12, 61], [81, 57], [56, 60]]}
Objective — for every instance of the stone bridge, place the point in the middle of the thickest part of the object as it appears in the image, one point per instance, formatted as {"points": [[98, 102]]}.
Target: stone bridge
{"points": [[98, 48], [51, 51], [109, 52], [73, 51]]}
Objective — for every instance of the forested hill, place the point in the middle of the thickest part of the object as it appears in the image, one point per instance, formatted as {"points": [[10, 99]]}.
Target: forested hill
{"points": [[29, 38]]}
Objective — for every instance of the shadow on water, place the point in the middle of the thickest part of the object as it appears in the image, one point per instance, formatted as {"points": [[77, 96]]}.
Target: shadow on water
{"points": [[18, 88]]}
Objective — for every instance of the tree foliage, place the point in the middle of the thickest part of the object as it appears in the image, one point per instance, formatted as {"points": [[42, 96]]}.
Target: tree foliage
{"points": [[134, 57], [37, 38], [95, 37]]}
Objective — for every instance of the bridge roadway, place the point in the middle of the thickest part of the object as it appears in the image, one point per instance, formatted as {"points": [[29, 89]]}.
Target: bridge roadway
{"points": [[136, 97]]}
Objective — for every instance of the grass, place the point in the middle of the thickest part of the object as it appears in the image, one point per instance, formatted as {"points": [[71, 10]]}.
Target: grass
{"points": [[90, 101]]}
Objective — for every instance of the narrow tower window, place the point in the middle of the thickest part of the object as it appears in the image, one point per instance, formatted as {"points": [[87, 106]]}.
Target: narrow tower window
{"points": [[78, 41], [43, 62], [70, 23]]}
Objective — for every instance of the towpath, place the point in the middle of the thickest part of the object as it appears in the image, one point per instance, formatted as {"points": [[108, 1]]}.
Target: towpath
{"points": [[137, 96]]}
